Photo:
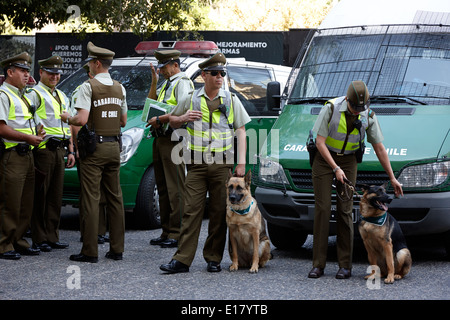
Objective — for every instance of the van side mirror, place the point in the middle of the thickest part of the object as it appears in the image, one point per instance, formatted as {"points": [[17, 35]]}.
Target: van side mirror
{"points": [[273, 96]]}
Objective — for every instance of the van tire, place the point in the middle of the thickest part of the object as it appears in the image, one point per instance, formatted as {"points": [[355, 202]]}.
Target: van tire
{"points": [[146, 211], [286, 238]]}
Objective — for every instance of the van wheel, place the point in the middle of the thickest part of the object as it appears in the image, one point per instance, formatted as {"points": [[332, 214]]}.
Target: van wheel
{"points": [[286, 238], [146, 211]]}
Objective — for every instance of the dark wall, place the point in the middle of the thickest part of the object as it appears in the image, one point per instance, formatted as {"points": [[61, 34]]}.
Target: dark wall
{"points": [[269, 47]]}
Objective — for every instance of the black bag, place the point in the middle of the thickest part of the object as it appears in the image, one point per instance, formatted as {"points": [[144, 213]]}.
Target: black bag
{"points": [[362, 146], [311, 147], [87, 142]]}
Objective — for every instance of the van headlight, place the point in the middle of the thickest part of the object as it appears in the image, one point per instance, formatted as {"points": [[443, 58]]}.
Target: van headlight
{"points": [[425, 176], [270, 171], [130, 142]]}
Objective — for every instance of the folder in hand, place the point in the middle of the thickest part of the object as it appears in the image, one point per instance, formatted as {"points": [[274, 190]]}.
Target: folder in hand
{"points": [[153, 108]]}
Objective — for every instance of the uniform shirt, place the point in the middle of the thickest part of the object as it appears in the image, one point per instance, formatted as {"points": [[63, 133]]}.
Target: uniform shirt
{"points": [[181, 90], [373, 132], [4, 102], [84, 94], [241, 116], [36, 100]]}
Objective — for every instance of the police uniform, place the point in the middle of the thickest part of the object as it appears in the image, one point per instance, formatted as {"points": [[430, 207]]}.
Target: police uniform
{"points": [[49, 159], [105, 99], [168, 175], [342, 140], [16, 166], [204, 175]]}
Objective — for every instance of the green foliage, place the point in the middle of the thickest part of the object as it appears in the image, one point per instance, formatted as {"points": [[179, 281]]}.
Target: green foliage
{"points": [[140, 16]]}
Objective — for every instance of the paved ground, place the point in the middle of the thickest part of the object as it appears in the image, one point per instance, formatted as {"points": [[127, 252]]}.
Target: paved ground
{"points": [[52, 276]]}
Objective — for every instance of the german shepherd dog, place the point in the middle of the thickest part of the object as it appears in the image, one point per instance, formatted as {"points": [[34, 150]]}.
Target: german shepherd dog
{"points": [[249, 245], [382, 236]]}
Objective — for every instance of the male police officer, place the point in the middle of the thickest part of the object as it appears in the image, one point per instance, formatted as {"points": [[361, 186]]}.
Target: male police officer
{"points": [[216, 114], [341, 127], [101, 104], [18, 132], [49, 155], [169, 176]]}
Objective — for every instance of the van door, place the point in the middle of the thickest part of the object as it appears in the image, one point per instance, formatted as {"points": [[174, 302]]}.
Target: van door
{"points": [[249, 83]]}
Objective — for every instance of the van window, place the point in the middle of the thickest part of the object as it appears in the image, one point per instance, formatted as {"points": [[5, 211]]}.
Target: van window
{"points": [[249, 84], [136, 81], [414, 65]]}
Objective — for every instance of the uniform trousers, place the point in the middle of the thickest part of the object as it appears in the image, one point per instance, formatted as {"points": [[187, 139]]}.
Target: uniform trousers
{"points": [[48, 194], [323, 176], [102, 170], [170, 179], [16, 199], [200, 179]]}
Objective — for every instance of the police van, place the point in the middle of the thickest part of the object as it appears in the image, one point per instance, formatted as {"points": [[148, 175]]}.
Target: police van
{"points": [[404, 59], [248, 80]]}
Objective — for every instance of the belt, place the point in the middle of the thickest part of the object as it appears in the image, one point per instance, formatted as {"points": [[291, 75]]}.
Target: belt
{"points": [[341, 154], [207, 157], [21, 148], [101, 139]]}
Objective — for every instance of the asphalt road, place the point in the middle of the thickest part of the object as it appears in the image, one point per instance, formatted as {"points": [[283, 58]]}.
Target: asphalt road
{"points": [[52, 276]]}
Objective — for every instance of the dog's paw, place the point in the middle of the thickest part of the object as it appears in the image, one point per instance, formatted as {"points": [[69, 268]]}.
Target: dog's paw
{"points": [[254, 269], [389, 279], [397, 277], [234, 267]]}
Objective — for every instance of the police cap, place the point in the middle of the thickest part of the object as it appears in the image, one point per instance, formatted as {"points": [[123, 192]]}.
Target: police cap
{"points": [[358, 95], [22, 60], [98, 53], [216, 62], [52, 64], [165, 56]]}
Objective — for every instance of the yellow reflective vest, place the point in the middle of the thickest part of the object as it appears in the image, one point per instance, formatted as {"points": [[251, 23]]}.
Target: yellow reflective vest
{"points": [[338, 139], [213, 133], [49, 111], [19, 117]]}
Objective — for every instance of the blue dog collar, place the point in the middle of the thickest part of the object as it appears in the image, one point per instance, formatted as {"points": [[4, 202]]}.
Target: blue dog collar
{"points": [[242, 212], [379, 221]]}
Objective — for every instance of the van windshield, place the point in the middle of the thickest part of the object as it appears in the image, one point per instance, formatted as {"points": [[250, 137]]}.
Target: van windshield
{"points": [[407, 62], [135, 79]]}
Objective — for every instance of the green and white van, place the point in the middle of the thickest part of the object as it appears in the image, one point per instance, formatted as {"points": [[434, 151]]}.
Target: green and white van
{"points": [[405, 62], [248, 80]]}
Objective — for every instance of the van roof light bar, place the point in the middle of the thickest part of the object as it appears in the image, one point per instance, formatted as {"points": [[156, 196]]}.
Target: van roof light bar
{"points": [[191, 48]]}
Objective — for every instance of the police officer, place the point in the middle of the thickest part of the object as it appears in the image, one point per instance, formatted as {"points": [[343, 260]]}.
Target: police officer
{"points": [[49, 155], [102, 215], [341, 128], [211, 113], [101, 104], [19, 135], [169, 176]]}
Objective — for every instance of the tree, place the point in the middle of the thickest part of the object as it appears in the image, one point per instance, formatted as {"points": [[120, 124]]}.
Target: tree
{"points": [[140, 16]]}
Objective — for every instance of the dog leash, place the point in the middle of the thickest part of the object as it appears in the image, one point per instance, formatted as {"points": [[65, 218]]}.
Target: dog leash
{"points": [[348, 191]]}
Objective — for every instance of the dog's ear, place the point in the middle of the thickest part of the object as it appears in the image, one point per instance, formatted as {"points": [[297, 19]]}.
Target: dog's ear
{"points": [[364, 187], [230, 175], [248, 178], [385, 185]]}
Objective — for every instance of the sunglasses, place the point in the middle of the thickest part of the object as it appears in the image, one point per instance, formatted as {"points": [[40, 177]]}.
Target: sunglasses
{"points": [[215, 73]]}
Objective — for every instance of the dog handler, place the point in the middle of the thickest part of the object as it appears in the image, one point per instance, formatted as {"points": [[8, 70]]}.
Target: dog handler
{"points": [[339, 144], [212, 114]]}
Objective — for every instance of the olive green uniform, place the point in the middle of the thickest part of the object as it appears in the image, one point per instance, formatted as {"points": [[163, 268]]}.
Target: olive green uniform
{"points": [[16, 184], [101, 169], [49, 160], [323, 176], [168, 175], [202, 178]]}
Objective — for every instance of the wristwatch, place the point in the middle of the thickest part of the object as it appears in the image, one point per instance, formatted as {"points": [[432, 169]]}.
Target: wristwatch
{"points": [[158, 121]]}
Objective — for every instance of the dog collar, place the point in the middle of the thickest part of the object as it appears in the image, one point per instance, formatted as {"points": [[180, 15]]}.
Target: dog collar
{"points": [[379, 221], [242, 212]]}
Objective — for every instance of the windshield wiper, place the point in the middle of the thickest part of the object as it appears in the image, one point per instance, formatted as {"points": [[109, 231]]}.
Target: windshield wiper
{"points": [[396, 99], [308, 100]]}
